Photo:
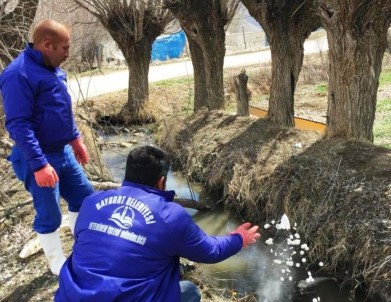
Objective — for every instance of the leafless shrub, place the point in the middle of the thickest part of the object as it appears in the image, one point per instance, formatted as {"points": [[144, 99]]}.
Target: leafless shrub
{"points": [[16, 17], [314, 69]]}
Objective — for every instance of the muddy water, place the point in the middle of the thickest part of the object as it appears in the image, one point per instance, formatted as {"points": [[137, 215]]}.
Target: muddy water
{"points": [[256, 270]]}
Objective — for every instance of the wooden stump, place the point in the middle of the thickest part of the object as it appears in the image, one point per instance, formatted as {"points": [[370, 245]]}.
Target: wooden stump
{"points": [[242, 93]]}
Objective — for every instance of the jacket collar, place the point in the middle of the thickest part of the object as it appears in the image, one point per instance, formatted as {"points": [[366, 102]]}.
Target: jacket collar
{"points": [[37, 56], [168, 195]]}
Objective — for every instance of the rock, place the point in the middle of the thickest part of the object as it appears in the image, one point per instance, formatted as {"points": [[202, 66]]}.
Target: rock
{"points": [[33, 246], [8, 222], [125, 145]]}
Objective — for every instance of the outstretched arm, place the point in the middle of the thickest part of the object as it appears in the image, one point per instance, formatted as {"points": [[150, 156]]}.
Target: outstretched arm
{"points": [[200, 247]]}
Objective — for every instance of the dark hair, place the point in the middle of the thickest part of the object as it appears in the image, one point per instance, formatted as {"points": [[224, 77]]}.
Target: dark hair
{"points": [[146, 165]]}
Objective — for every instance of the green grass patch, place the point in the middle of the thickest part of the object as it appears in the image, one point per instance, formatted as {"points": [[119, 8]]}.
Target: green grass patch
{"points": [[385, 77], [382, 125], [174, 82], [321, 88], [384, 106]]}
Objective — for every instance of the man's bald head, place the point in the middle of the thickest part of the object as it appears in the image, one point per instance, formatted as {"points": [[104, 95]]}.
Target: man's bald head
{"points": [[50, 30], [52, 39]]}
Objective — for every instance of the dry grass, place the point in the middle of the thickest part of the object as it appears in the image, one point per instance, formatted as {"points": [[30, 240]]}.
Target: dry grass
{"points": [[314, 69], [208, 286], [337, 191]]}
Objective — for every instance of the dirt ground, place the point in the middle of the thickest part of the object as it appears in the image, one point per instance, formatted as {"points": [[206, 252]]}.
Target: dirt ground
{"points": [[340, 191]]}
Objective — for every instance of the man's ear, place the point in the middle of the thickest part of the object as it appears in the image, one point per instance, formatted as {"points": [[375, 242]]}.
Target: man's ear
{"points": [[46, 44], [161, 183]]}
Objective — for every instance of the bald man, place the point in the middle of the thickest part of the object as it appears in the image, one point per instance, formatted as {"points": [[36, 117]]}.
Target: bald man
{"points": [[48, 148]]}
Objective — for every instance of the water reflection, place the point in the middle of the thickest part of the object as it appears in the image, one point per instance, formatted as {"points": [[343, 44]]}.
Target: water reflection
{"points": [[252, 270]]}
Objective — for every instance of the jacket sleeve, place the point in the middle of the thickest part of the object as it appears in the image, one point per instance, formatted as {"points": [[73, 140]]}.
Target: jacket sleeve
{"points": [[200, 247], [18, 99], [76, 133]]}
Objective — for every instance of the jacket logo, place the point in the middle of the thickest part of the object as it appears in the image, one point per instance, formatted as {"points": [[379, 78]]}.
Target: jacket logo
{"points": [[123, 217]]}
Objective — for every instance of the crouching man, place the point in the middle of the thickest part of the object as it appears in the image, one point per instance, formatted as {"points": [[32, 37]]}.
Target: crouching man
{"points": [[128, 241]]}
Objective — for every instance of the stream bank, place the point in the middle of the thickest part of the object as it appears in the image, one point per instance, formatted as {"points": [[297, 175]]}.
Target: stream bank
{"points": [[259, 273], [337, 191]]}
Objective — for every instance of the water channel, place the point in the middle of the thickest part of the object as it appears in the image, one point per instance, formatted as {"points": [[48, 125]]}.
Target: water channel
{"points": [[260, 270]]}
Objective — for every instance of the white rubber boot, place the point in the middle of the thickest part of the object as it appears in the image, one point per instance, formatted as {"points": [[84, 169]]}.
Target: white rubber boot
{"points": [[72, 220], [52, 248]]}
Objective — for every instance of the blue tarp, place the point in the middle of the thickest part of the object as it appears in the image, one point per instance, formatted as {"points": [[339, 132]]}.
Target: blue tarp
{"points": [[168, 47]]}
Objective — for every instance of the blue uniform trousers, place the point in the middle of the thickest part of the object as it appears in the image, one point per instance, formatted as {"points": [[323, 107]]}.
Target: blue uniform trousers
{"points": [[73, 186]]}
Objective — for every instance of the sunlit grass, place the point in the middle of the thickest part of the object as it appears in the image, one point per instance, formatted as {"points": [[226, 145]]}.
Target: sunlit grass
{"points": [[321, 88], [385, 77], [187, 81], [382, 125]]}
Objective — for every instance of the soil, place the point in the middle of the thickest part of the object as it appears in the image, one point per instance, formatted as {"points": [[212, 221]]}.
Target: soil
{"points": [[339, 190]]}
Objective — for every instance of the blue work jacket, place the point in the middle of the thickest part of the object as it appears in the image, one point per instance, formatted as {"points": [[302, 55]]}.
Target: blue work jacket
{"points": [[127, 247], [38, 107]]}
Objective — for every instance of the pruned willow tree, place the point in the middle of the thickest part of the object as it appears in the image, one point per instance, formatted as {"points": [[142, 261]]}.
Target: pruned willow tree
{"points": [[357, 37], [204, 23], [287, 24], [16, 18], [134, 25]]}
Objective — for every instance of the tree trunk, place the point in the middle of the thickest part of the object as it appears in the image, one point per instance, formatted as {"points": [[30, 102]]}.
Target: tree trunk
{"points": [[353, 82], [134, 26], [242, 94], [357, 37], [287, 24], [200, 91], [287, 57], [214, 68], [203, 22], [137, 58], [138, 63], [207, 48]]}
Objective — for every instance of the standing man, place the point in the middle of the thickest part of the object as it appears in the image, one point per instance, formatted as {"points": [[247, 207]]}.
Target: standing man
{"points": [[128, 241], [39, 118]]}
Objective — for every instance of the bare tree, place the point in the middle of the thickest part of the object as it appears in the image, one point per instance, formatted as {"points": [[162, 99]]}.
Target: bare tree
{"points": [[16, 18], [204, 22], [134, 25], [357, 37], [287, 23], [87, 32]]}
